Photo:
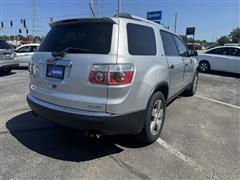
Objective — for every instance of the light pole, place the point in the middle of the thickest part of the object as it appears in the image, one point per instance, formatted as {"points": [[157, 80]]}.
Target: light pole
{"points": [[119, 6], [175, 23]]}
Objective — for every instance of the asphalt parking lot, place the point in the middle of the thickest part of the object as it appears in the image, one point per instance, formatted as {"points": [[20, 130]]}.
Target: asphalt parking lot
{"points": [[200, 140]]}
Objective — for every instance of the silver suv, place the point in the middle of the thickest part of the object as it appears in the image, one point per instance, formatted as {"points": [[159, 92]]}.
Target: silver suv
{"points": [[7, 57], [112, 75]]}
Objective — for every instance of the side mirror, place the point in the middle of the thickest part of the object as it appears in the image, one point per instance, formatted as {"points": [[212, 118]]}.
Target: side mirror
{"points": [[193, 53]]}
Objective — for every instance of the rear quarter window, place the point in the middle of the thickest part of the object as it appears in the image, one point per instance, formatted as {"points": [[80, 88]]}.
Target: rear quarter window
{"points": [[141, 40], [94, 37]]}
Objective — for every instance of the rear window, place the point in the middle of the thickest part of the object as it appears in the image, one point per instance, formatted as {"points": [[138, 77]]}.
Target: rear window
{"points": [[94, 37], [141, 40], [5, 45]]}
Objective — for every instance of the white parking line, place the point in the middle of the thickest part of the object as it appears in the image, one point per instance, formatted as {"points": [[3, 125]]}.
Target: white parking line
{"points": [[190, 162], [177, 153], [216, 101]]}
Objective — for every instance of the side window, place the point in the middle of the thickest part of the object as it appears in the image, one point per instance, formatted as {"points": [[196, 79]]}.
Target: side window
{"points": [[169, 44], [210, 52], [34, 48], [24, 49], [141, 40], [218, 51], [183, 51], [238, 53], [234, 52]]}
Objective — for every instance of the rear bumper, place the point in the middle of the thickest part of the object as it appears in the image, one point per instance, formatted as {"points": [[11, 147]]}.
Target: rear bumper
{"points": [[84, 120], [23, 64]]}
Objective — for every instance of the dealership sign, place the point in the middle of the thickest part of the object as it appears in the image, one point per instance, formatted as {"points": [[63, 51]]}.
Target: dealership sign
{"points": [[190, 31], [154, 15]]}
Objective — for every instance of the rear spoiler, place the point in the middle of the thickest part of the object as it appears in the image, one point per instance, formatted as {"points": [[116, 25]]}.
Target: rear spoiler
{"points": [[83, 20]]}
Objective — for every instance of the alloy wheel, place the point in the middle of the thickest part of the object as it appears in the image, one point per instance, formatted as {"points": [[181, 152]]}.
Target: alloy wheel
{"points": [[157, 117]]}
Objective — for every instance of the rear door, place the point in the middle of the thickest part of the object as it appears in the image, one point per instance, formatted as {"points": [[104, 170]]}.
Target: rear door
{"points": [[64, 80], [175, 62]]}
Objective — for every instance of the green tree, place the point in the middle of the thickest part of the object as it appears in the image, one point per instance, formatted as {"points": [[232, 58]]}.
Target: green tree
{"points": [[38, 39], [223, 40], [184, 38], [235, 35]]}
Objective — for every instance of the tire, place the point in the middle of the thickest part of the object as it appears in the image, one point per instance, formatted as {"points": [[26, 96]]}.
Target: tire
{"points": [[154, 124], [204, 66], [193, 87]]}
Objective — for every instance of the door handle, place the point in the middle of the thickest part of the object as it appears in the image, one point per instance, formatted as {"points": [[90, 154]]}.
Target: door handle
{"points": [[172, 66]]}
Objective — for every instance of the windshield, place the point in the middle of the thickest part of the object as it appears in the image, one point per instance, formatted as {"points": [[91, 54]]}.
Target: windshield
{"points": [[93, 37]]}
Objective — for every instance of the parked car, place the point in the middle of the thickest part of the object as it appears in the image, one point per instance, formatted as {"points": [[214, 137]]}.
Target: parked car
{"points": [[232, 44], [115, 80], [224, 58], [7, 57], [24, 54], [194, 46], [13, 46]]}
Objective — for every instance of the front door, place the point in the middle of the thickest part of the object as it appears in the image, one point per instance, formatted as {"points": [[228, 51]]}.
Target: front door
{"points": [[217, 58], [24, 54]]}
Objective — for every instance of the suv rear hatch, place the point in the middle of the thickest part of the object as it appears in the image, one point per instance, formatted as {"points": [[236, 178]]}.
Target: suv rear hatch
{"points": [[6, 52], [60, 69]]}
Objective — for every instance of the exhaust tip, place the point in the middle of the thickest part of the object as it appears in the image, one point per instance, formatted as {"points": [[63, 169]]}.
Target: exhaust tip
{"points": [[94, 135]]}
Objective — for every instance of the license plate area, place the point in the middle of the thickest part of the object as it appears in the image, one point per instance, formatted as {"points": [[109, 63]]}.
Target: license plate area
{"points": [[55, 71]]}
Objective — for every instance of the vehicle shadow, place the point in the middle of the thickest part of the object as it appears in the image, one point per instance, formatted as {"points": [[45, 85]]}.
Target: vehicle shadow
{"points": [[225, 74], [64, 143], [21, 68], [6, 74]]}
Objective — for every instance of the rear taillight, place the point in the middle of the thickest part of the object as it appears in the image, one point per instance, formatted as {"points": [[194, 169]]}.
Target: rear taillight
{"points": [[33, 69], [14, 53], [99, 74], [119, 74]]}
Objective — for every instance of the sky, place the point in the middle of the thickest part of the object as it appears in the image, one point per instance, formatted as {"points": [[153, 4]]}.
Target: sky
{"points": [[212, 18]]}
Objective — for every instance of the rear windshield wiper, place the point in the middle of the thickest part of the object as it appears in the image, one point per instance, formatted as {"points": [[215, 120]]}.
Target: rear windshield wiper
{"points": [[70, 50]]}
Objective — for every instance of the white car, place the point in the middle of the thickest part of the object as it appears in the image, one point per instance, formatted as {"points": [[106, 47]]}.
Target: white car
{"points": [[223, 58], [24, 54]]}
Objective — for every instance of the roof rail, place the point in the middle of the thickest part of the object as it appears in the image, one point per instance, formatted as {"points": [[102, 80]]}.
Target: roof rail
{"points": [[129, 16], [143, 19], [124, 15]]}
